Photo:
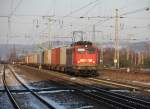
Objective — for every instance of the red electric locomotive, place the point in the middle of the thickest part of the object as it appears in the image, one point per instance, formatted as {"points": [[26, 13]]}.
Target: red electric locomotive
{"points": [[82, 59]]}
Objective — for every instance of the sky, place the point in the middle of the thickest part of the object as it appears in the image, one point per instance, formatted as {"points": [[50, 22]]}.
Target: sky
{"points": [[29, 20]]}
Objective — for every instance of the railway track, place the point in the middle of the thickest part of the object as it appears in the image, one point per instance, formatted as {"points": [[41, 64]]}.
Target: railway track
{"points": [[76, 92], [82, 90], [134, 102], [71, 88], [131, 87], [120, 84], [10, 95], [12, 98], [115, 99]]}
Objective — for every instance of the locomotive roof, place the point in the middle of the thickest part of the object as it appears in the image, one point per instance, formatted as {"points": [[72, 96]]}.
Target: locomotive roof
{"points": [[82, 43]]}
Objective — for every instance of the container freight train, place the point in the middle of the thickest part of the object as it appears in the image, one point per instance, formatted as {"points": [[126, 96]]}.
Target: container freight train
{"points": [[80, 59]]}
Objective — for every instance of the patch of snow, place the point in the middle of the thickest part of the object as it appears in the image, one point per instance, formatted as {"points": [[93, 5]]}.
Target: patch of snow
{"points": [[24, 82], [148, 90], [21, 93], [35, 105], [53, 103], [22, 76], [6, 71], [56, 91], [73, 78], [120, 90], [85, 107], [145, 83], [47, 88]]}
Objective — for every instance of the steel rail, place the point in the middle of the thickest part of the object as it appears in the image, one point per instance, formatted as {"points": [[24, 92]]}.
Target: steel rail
{"points": [[106, 100], [32, 92], [133, 102], [12, 99], [127, 101], [138, 102], [117, 83]]}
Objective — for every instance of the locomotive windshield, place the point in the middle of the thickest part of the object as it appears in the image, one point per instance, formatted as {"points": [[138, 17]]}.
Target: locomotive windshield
{"points": [[81, 50], [91, 50], [88, 50]]}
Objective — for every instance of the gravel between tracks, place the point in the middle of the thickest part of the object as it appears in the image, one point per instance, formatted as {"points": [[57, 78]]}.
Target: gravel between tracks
{"points": [[131, 77]]}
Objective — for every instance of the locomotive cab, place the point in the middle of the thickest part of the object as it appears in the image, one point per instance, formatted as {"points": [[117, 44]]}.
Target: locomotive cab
{"points": [[84, 58]]}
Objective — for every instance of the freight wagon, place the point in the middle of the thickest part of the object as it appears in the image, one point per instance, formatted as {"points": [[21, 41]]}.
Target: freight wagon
{"points": [[81, 58]]}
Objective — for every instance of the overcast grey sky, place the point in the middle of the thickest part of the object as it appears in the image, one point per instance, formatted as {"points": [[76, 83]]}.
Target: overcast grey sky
{"points": [[27, 14]]}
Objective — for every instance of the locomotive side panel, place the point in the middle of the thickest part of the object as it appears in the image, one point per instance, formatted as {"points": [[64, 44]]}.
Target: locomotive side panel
{"points": [[70, 57]]}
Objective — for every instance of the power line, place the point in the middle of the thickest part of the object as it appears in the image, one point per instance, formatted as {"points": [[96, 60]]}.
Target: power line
{"points": [[88, 11], [138, 18], [14, 10], [79, 9], [127, 13], [137, 10]]}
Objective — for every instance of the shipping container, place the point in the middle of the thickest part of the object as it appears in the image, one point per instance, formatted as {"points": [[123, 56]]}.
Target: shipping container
{"points": [[26, 59], [41, 57], [30, 59], [46, 56], [35, 58], [49, 57], [55, 56], [63, 55]]}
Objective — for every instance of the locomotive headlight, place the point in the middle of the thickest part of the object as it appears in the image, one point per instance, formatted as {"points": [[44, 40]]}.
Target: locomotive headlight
{"points": [[82, 60], [90, 60]]}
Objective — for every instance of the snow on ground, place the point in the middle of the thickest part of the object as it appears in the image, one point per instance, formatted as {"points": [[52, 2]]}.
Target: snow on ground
{"points": [[72, 78], [53, 103], [24, 81], [144, 83], [20, 77], [86, 107], [119, 90], [56, 91]]}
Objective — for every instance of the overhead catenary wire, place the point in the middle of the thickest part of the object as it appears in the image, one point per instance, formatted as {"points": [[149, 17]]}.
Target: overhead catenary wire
{"points": [[93, 7], [13, 10], [147, 8], [79, 9], [94, 3]]}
